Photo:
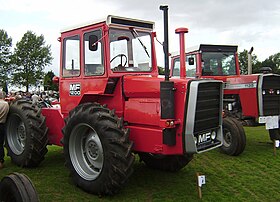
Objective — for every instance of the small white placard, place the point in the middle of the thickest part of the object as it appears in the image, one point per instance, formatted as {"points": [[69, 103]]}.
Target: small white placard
{"points": [[271, 122], [262, 119], [201, 180], [277, 143]]}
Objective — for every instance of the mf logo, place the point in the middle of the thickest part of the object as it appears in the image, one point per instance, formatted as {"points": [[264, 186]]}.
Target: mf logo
{"points": [[204, 137], [75, 89]]}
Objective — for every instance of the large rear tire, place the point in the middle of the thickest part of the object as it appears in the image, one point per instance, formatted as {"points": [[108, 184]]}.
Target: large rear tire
{"points": [[97, 149], [172, 163], [234, 137], [17, 187], [26, 134]]}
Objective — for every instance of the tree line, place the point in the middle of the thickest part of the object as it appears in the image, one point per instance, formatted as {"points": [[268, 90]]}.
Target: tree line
{"points": [[23, 66], [272, 61]]}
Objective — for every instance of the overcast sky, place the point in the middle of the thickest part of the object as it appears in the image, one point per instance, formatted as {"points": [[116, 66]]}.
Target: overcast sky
{"points": [[245, 23]]}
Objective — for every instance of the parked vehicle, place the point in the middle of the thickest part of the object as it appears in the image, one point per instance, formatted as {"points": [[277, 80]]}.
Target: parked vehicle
{"points": [[252, 99]]}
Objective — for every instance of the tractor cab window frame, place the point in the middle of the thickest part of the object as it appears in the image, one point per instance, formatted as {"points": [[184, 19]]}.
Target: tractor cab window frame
{"points": [[190, 68], [93, 53], [71, 66], [130, 50]]}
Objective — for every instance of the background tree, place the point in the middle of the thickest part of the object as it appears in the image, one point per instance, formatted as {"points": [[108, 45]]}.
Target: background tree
{"points": [[48, 83], [160, 70], [273, 62], [5, 59], [243, 61], [31, 57]]}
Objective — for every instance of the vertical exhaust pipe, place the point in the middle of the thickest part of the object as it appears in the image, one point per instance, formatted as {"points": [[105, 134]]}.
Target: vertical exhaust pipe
{"points": [[166, 41], [250, 60]]}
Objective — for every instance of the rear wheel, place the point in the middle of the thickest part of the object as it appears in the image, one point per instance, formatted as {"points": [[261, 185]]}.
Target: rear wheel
{"points": [[17, 187], [170, 163], [26, 134], [234, 137], [97, 149]]}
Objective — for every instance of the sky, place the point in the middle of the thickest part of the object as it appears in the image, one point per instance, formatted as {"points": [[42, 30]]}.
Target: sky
{"points": [[239, 22]]}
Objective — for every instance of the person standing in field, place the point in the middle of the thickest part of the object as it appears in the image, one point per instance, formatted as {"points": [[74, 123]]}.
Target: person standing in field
{"points": [[4, 109]]}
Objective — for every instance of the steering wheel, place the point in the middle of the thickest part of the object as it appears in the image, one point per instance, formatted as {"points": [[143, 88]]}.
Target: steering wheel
{"points": [[121, 56]]}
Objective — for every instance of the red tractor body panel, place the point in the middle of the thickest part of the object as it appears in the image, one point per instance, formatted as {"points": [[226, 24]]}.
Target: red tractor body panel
{"points": [[55, 122]]}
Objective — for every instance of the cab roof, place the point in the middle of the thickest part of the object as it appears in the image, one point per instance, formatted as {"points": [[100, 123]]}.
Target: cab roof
{"points": [[112, 20], [209, 48]]}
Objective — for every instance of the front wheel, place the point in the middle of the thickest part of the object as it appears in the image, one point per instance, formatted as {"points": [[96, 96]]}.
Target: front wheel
{"points": [[234, 137], [97, 149], [170, 163]]}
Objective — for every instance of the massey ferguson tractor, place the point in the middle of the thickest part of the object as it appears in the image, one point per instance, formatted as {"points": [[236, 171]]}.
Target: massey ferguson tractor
{"points": [[251, 98], [114, 104]]}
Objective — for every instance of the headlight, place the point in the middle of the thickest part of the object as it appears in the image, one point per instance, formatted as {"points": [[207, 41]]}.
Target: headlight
{"points": [[213, 135], [195, 140]]}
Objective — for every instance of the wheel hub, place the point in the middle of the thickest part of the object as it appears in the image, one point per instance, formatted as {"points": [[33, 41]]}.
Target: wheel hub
{"points": [[227, 138], [21, 134], [86, 152], [92, 149]]}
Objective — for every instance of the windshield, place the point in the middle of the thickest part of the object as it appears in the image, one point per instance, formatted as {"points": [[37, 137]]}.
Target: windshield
{"points": [[130, 50], [218, 64]]}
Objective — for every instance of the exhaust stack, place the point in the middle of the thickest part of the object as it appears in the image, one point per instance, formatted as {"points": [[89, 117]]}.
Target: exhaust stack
{"points": [[250, 60], [166, 41]]}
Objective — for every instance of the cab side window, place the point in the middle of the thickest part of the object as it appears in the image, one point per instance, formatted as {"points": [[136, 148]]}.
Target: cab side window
{"points": [[190, 66], [71, 56], [93, 52]]}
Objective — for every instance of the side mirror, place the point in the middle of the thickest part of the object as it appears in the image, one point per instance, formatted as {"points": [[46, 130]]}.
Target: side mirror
{"points": [[93, 45], [191, 60]]}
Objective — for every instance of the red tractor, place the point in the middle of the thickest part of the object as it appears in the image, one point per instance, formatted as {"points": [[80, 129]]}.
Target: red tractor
{"points": [[114, 104], [247, 98]]}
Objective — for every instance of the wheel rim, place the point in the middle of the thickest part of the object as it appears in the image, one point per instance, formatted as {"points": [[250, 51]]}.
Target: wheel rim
{"points": [[86, 151], [227, 138], [16, 134]]}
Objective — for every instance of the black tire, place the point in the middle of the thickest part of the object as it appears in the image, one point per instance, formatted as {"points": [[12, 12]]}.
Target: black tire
{"points": [[274, 134], [242, 143], [234, 137], [17, 187], [26, 134], [97, 149], [172, 163]]}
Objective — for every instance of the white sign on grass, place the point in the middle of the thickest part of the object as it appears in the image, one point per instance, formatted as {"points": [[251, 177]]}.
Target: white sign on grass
{"points": [[201, 180]]}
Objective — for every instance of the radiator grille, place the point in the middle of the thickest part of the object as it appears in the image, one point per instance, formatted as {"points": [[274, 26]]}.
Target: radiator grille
{"points": [[207, 107], [271, 95]]}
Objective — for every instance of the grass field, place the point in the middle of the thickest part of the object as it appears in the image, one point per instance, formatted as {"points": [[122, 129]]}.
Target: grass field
{"points": [[253, 176]]}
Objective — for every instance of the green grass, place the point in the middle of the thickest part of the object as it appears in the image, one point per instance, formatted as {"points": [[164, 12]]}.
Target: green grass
{"points": [[253, 176]]}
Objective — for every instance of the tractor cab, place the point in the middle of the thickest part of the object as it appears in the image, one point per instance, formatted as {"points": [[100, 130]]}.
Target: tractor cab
{"points": [[97, 55], [219, 61], [107, 47]]}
